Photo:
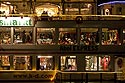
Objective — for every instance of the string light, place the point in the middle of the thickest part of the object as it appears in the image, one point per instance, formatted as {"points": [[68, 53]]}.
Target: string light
{"points": [[112, 2]]}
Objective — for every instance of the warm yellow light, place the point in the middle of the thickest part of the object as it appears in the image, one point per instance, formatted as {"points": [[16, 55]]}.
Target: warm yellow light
{"points": [[54, 75]]}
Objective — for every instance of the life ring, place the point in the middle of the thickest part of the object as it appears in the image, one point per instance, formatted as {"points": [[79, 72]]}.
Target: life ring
{"points": [[120, 62], [79, 19]]}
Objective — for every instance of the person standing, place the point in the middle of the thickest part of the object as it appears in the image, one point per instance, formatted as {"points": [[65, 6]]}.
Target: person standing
{"points": [[24, 36]]}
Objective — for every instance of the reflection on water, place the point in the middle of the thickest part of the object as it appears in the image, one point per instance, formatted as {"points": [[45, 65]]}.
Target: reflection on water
{"points": [[64, 82], [92, 82]]}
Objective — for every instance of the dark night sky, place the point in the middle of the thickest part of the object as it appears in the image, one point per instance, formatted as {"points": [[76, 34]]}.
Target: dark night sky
{"points": [[103, 1]]}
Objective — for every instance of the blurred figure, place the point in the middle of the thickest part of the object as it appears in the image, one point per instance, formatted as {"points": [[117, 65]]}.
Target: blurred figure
{"points": [[24, 36], [44, 16]]}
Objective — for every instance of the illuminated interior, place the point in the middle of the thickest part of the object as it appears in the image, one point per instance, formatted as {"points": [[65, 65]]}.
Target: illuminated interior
{"points": [[73, 8], [110, 36], [5, 9], [67, 36], [5, 62], [91, 63], [44, 63], [51, 9], [5, 35], [45, 36], [22, 62], [68, 63], [89, 36], [23, 35], [104, 63]]}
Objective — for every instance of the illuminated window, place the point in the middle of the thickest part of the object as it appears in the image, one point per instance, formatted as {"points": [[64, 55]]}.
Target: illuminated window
{"points": [[45, 36], [91, 63], [44, 62], [86, 9], [4, 9], [22, 62], [5, 62], [89, 36], [110, 36], [5, 36], [76, 8], [72, 8], [23, 36], [67, 36], [68, 63], [104, 62], [51, 9]]}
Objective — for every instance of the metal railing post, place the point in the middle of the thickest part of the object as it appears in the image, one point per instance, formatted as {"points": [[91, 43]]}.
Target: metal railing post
{"points": [[86, 81], [100, 77]]}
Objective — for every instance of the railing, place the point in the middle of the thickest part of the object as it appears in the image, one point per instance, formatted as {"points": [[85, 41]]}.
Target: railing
{"points": [[70, 17], [92, 17], [88, 76]]}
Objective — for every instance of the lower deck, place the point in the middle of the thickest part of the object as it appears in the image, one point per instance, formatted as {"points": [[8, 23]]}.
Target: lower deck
{"points": [[62, 67]]}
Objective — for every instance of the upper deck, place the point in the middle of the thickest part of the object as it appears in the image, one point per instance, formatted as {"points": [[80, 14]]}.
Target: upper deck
{"points": [[102, 28]]}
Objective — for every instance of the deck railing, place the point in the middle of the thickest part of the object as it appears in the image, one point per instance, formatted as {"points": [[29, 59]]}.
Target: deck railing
{"points": [[89, 76], [70, 17]]}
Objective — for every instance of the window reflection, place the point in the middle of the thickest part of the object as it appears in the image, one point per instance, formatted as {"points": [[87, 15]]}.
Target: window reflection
{"points": [[89, 36], [104, 62], [44, 62], [68, 63], [22, 62], [45, 35], [23, 36], [91, 63], [67, 36], [110, 37], [4, 62], [5, 35]]}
